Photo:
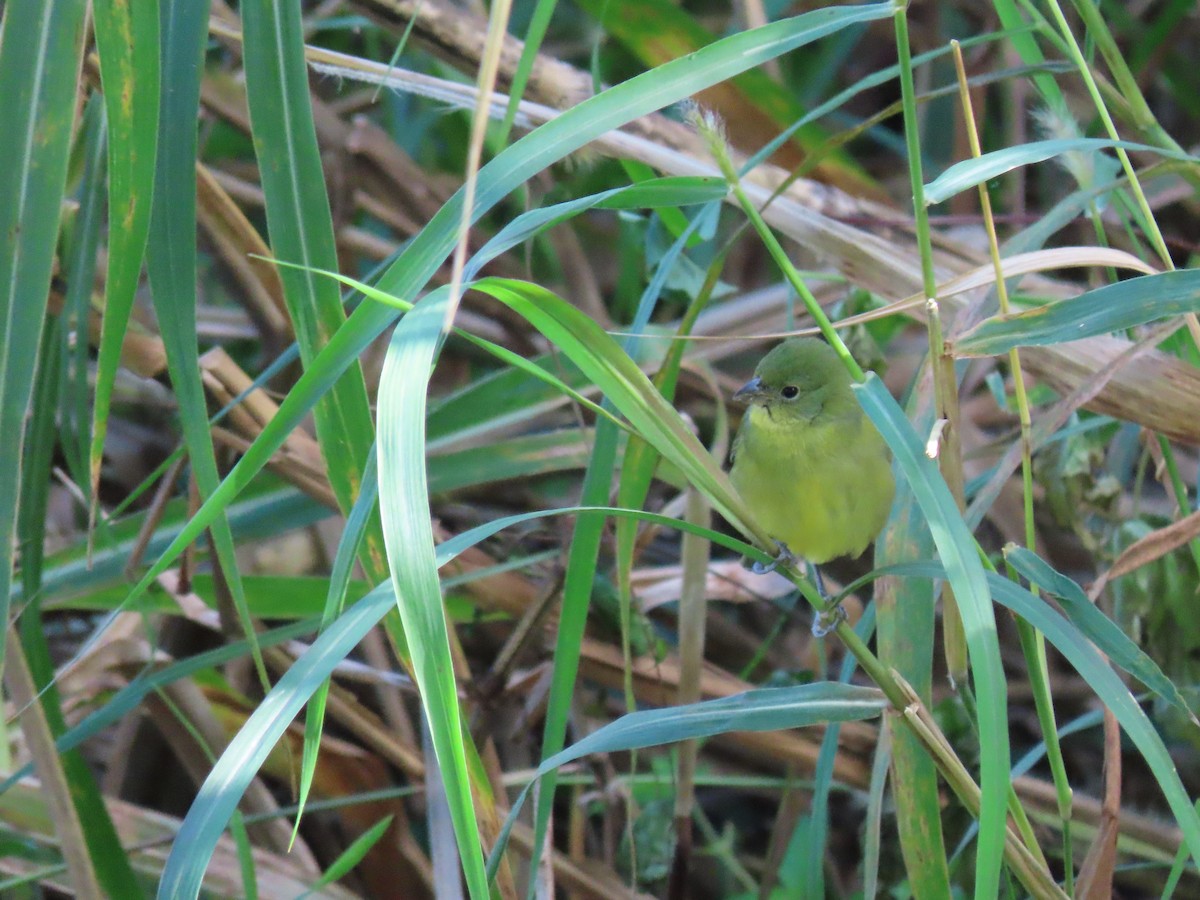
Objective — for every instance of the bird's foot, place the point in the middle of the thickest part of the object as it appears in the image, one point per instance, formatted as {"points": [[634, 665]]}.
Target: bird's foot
{"points": [[784, 557], [828, 620]]}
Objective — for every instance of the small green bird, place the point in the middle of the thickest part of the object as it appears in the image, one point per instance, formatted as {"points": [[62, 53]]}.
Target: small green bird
{"points": [[807, 460]]}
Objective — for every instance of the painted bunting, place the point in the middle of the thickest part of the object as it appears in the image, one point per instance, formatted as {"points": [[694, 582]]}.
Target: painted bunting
{"points": [[807, 460]]}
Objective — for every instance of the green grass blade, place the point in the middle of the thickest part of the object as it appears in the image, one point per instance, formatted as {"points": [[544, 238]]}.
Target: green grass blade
{"points": [[538, 24], [765, 709], [129, 698], [84, 808], [808, 856], [959, 555], [301, 227], [69, 574], [79, 251], [80, 266], [600, 358], [40, 47], [519, 457], [580, 578], [1096, 626], [756, 104], [1112, 691], [352, 855], [579, 583], [907, 612], [127, 43], [40, 52], [335, 599], [228, 779], [970, 173], [1027, 48], [171, 262], [218, 798], [659, 192], [1115, 307], [404, 505]]}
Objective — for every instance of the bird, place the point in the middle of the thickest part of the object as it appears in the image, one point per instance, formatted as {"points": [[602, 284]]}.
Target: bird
{"points": [[807, 461]]}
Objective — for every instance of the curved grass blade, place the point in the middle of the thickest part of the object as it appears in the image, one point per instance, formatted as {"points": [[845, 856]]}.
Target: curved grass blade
{"points": [[1096, 626], [408, 533], [228, 779], [973, 172], [957, 550], [183, 873], [580, 578], [765, 709], [755, 105], [601, 359], [658, 192], [1114, 307], [1112, 691], [335, 599]]}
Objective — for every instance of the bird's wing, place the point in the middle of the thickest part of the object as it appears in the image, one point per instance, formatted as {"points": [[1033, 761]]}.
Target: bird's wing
{"points": [[739, 438]]}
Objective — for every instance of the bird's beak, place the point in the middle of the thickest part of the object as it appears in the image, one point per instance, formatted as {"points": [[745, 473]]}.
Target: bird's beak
{"points": [[748, 391]]}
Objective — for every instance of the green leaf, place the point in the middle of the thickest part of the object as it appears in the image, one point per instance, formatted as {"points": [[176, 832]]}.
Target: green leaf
{"points": [[40, 47], [1099, 628], [765, 709], [228, 779], [971, 173], [1077, 648], [352, 855], [183, 873], [171, 263], [1115, 307], [335, 599], [127, 44], [301, 231], [40, 53], [906, 639], [957, 550], [408, 534]]}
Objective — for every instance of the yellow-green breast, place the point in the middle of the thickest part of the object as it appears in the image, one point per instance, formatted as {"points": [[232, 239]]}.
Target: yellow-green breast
{"points": [[814, 470]]}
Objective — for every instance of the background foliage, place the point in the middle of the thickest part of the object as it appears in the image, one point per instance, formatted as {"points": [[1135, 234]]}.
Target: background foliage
{"points": [[365, 371]]}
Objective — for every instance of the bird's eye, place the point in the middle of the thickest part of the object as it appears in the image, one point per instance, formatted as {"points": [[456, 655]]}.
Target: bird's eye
{"points": [[790, 392]]}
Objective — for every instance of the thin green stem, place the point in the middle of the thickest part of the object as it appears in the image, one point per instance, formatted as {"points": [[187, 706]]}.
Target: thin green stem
{"points": [[945, 386], [720, 151], [1089, 80]]}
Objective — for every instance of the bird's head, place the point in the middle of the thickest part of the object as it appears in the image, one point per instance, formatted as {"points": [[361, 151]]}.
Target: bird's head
{"points": [[801, 378]]}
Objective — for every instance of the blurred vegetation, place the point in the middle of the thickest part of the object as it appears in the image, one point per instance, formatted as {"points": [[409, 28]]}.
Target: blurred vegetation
{"points": [[366, 431]]}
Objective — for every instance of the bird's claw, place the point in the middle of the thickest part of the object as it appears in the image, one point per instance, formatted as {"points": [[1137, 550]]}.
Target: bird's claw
{"points": [[784, 557], [828, 620]]}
